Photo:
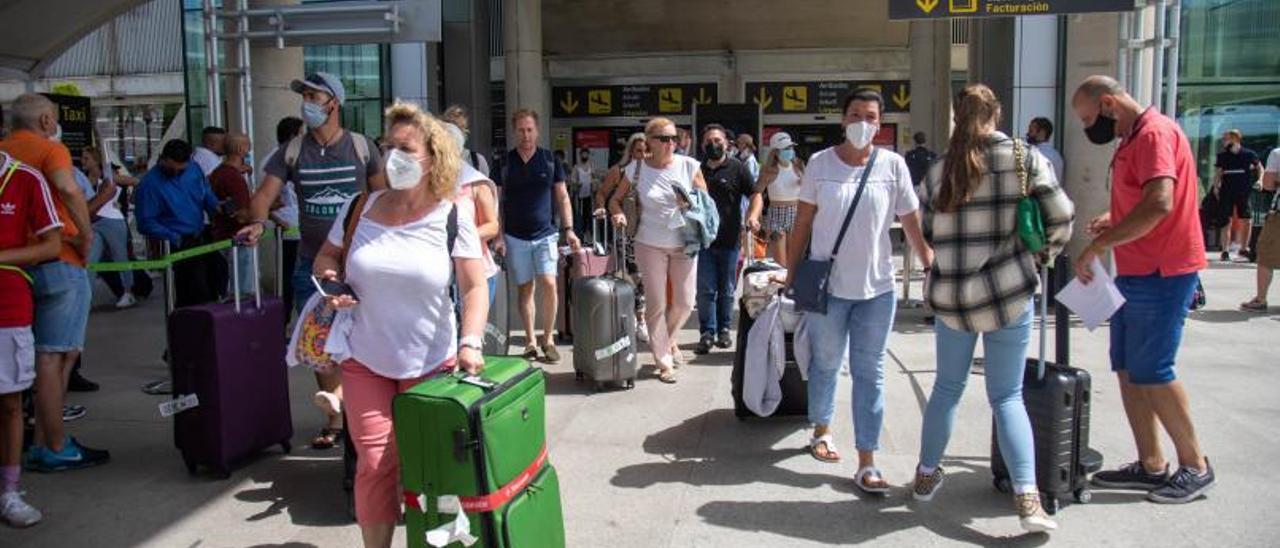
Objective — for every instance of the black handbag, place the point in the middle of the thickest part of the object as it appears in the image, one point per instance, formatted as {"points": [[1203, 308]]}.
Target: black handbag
{"points": [[808, 287]]}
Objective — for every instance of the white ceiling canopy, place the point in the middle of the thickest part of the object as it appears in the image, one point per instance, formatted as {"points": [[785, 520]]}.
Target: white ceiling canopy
{"points": [[34, 33]]}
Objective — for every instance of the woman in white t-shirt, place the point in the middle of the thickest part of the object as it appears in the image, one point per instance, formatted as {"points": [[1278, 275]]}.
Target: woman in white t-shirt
{"points": [[397, 263], [659, 244], [110, 232], [861, 303]]}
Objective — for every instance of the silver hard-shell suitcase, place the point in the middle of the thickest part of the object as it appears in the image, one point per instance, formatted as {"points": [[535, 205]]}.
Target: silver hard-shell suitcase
{"points": [[604, 328]]}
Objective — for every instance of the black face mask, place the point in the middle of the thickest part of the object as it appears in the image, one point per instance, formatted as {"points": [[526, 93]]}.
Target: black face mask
{"points": [[714, 152], [1102, 131]]}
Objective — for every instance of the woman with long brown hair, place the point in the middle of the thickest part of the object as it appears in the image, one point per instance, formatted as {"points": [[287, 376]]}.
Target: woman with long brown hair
{"points": [[982, 282]]}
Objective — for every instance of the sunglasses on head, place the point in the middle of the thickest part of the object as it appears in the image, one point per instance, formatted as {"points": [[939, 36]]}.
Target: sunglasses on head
{"points": [[665, 138]]}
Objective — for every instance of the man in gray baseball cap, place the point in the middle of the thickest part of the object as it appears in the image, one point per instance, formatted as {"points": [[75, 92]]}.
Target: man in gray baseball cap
{"points": [[327, 166]]}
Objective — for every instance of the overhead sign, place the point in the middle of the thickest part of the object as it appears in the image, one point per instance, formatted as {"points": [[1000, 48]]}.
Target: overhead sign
{"points": [[824, 97], [630, 100], [935, 9], [76, 119]]}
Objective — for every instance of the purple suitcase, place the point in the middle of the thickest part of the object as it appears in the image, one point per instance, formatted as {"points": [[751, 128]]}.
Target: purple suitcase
{"points": [[234, 362]]}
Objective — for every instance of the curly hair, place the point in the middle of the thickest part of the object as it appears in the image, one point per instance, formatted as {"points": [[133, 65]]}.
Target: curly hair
{"points": [[446, 159]]}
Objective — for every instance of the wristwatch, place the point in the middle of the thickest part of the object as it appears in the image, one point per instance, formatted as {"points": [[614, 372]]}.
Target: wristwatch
{"points": [[473, 341]]}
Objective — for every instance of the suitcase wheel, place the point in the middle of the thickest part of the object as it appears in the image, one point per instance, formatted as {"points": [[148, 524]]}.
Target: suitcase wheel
{"points": [[629, 384], [1003, 485], [191, 467], [1051, 505], [286, 446], [1083, 496], [598, 387], [578, 375]]}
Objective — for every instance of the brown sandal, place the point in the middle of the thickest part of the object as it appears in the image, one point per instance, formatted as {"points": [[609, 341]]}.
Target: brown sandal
{"points": [[667, 375], [326, 439]]}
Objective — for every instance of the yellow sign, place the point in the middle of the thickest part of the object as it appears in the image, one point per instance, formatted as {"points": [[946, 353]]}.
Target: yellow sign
{"points": [[600, 101], [964, 6], [569, 104], [764, 100], [670, 100], [795, 98], [902, 97], [927, 5]]}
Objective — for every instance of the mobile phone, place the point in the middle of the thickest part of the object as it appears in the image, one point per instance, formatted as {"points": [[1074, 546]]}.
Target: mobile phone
{"points": [[331, 288]]}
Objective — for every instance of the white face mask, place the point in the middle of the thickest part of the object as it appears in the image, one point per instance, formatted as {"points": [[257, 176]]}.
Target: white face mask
{"points": [[57, 134], [860, 134], [403, 170]]}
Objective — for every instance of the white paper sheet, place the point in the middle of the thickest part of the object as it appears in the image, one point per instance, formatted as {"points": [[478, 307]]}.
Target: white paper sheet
{"points": [[1095, 302]]}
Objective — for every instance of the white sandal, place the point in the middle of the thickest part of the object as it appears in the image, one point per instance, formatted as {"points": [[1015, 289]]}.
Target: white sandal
{"points": [[833, 455], [861, 476]]}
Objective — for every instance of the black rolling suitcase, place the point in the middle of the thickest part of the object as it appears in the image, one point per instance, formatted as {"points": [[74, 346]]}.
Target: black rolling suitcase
{"points": [[1058, 401], [795, 390]]}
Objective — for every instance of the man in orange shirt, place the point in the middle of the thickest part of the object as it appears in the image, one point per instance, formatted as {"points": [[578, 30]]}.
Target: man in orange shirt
{"points": [[61, 287]]}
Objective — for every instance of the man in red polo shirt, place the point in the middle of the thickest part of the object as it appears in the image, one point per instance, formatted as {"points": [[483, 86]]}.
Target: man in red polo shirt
{"points": [[1154, 229], [30, 233]]}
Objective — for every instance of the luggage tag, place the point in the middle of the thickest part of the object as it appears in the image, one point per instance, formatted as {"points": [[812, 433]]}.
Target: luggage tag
{"points": [[458, 530], [178, 405]]}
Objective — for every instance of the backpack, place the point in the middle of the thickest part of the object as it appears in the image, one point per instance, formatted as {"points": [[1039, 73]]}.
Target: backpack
{"points": [[294, 149]]}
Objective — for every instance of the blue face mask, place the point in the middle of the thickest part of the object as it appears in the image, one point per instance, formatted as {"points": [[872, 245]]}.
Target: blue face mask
{"points": [[787, 155], [313, 115]]}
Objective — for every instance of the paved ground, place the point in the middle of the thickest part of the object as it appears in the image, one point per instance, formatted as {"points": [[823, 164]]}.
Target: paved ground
{"points": [[670, 465]]}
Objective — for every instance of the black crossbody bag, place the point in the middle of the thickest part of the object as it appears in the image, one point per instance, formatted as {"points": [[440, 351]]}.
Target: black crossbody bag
{"points": [[809, 279]]}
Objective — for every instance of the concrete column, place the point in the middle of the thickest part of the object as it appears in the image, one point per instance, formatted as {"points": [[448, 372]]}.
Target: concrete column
{"points": [[466, 65], [522, 43], [1035, 81], [271, 70], [1090, 49], [991, 60], [409, 74], [931, 81]]}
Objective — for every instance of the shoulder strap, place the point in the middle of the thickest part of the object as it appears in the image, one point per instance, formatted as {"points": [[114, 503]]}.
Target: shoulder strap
{"points": [[350, 222], [8, 174], [862, 185], [1021, 164], [451, 229], [362, 147], [475, 161]]}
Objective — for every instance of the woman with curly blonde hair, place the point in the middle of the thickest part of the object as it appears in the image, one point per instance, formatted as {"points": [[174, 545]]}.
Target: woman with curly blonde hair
{"points": [[396, 261]]}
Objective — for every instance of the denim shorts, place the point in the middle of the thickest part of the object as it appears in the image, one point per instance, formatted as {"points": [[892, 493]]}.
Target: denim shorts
{"points": [[17, 359], [303, 287], [62, 295], [1147, 330], [527, 259]]}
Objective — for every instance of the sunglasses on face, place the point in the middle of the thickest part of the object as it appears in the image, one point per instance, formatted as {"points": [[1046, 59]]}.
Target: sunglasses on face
{"points": [[668, 139]]}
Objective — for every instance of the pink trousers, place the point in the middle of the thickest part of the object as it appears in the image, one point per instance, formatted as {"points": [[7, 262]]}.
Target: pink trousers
{"points": [[658, 266], [367, 402]]}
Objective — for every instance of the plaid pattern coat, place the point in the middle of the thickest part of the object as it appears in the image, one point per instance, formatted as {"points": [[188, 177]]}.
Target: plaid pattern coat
{"points": [[983, 275]]}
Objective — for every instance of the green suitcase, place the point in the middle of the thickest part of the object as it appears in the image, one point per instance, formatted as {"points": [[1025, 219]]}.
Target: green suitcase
{"points": [[483, 440]]}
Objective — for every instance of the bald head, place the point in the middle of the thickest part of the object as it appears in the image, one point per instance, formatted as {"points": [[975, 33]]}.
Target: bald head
{"points": [[35, 112], [237, 144], [1095, 87]]}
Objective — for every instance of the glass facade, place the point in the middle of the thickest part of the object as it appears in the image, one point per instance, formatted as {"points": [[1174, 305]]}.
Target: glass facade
{"points": [[1229, 76], [362, 69]]}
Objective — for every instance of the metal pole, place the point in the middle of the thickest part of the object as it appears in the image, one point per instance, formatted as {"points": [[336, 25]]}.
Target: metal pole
{"points": [[246, 81], [170, 292], [1135, 53], [1175, 36], [1122, 60], [1157, 68], [211, 62]]}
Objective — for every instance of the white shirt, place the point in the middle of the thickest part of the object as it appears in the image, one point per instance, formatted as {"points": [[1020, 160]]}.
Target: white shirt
{"points": [[206, 159], [1054, 157], [582, 175], [1273, 161], [864, 267], [786, 186], [483, 164], [404, 326], [659, 216]]}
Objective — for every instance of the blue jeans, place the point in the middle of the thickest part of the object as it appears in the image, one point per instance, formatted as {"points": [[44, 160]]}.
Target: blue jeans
{"points": [[303, 288], [1147, 330], [110, 237], [244, 258], [860, 330], [62, 296], [1006, 360], [716, 270]]}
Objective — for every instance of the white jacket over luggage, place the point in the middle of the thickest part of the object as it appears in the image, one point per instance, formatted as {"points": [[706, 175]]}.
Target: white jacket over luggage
{"points": [[766, 356]]}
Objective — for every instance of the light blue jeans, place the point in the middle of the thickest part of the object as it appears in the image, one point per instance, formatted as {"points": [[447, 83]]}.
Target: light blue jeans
{"points": [[110, 238], [1005, 360], [860, 329]]}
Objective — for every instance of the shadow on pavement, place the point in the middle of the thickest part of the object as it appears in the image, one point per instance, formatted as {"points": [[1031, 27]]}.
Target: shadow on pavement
{"points": [[1222, 316], [862, 520], [286, 545], [308, 489]]}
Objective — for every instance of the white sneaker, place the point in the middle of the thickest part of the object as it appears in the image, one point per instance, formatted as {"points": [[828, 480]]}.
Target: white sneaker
{"points": [[126, 301], [642, 333], [327, 402], [16, 512]]}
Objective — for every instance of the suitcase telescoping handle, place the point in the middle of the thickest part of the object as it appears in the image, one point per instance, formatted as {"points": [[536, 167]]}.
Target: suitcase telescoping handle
{"points": [[619, 252], [235, 275], [1044, 319]]}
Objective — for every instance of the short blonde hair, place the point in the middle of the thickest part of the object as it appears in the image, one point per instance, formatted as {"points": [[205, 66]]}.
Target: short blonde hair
{"points": [[656, 124], [446, 159]]}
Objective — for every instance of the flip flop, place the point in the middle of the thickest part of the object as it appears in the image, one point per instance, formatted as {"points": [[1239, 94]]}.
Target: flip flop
{"points": [[326, 439], [158, 388], [667, 375], [832, 455], [860, 479]]}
